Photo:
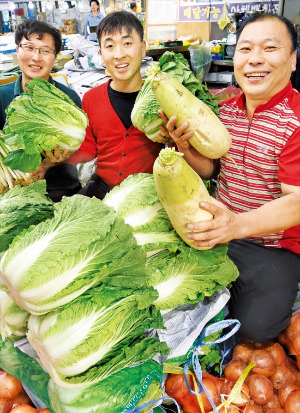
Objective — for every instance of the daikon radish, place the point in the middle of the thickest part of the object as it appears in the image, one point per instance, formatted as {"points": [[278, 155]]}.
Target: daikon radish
{"points": [[180, 189], [211, 138]]}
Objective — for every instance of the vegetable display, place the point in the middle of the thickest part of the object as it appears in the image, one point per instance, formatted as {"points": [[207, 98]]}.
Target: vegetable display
{"points": [[259, 392], [145, 111], [39, 120], [180, 189], [211, 138], [59, 259]]}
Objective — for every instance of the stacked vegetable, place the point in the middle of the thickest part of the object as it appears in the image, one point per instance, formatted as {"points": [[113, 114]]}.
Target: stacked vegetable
{"points": [[40, 119], [260, 378]]}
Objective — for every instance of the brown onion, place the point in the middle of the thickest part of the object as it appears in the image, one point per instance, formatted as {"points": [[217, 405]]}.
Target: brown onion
{"points": [[10, 387], [243, 352], [213, 392], [264, 363], [281, 377], [234, 369], [277, 352], [275, 410], [253, 408], [284, 392], [260, 388], [274, 402], [292, 403]]}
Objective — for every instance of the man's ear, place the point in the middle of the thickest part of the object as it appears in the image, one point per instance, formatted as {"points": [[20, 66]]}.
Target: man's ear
{"points": [[100, 53]]}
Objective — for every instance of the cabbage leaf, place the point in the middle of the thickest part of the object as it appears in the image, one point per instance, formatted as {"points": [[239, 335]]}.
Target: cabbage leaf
{"points": [[189, 276], [51, 264], [97, 334], [39, 120], [110, 395], [21, 207], [137, 202], [13, 319]]}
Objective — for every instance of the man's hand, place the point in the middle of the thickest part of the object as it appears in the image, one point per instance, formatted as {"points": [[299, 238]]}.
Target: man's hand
{"points": [[176, 135], [51, 159], [56, 156], [221, 229]]}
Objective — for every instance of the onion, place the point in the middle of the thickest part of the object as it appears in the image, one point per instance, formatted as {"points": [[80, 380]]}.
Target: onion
{"points": [[274, 402], [213, 392], [260, 388], [10, 387], [284, 392], [243, 352], [275, 410], [22, 398], [292, 403], [253, 408], [281, 377], [5, 405], [234, 369], [264, 363], [277, 352]]}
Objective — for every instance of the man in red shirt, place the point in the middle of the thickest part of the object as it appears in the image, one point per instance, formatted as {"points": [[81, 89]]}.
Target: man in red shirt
{"points": [[258, 193], [119, 148]]}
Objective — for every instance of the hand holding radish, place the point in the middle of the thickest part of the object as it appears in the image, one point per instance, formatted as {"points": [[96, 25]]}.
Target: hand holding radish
{"points": [[221, 229]]}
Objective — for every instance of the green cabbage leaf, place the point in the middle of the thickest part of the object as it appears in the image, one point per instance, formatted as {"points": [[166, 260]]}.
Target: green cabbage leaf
{"points": [[13, 319], [190, 275], [21, 207], [137, 202], [97, 334], [52, 263], [39, 120], [142, 384]]}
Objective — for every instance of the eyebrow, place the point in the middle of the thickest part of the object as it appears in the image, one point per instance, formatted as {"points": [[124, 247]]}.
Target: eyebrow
{"points": [[268, 39], [109, 39]]}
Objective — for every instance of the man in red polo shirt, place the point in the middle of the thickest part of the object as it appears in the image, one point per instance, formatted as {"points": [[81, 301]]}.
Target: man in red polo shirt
{"points": [[119, 148], [258, 192]]}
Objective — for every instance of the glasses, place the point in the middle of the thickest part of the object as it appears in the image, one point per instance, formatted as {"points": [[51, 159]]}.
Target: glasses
{"points": [[44, 51]]}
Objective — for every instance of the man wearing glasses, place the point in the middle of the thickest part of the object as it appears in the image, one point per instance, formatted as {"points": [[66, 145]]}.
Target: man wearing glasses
{"points": [[38, 44]]}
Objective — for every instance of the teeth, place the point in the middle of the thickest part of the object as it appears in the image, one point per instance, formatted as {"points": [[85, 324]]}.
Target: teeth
{"points": [[256, 75], [121, 66]]}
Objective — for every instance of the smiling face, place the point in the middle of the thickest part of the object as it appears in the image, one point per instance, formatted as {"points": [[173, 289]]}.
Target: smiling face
{"points": [[94, 7], [122, 54], [35, 65], [263, 60]]}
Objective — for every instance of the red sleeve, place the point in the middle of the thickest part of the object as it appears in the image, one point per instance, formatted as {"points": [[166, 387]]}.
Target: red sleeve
{"points": [[88, 149], [289, 161]]}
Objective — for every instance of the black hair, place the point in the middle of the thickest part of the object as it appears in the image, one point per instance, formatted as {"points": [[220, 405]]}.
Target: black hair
{"points": [[96, 1], [31, 26], [258, 16], [132, 5], [118, 20]]}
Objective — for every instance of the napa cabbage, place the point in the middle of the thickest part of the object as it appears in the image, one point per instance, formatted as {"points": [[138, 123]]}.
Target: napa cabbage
{"points": [[39, 120], [145, 116], [97, 334], [189, 276], [142, 384], [84, 244], [137, 202]]}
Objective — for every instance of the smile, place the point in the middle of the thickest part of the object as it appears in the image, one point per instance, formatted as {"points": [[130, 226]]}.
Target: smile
{"points": [[257, 75]]}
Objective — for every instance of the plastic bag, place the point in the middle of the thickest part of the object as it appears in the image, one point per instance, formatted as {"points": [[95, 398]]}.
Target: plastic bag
{"points": [[201, 59], [224, 18]]}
